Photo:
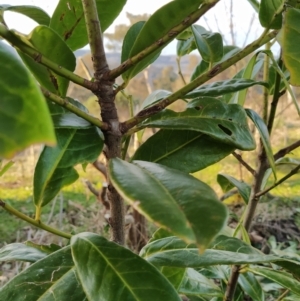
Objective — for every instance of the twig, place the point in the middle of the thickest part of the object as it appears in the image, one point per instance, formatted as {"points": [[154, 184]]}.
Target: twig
{"points": [[100, 167], [39, 58], [32, 221], [147, 112], [179, 70], [244, 163], [189, 20], [284, 151], [291, 173], [66, 104], [280, 298]]}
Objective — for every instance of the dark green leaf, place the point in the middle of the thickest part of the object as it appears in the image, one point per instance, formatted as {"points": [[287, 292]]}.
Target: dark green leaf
{"points": [[174, 200], [226, 123], [209, 44], [251, 286], [21, 99], [49, 279], [68, 19], [270, 13], [224, 87], [48, 249], [264, 136], [49, 44], [33, 12], [110, 272], [20, 252], [160, 233], [227, 182], [200, 69], [55, 167], [284, 279], [289, 38], [187, 151], [171, 251], [195, 284], [272, 77], [154, 97], [158, 25], [254, 4], [174, 275]]}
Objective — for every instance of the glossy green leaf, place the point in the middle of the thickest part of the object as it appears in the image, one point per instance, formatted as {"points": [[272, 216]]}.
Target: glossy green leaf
{"points": [[224, 87], [195, 284], [174, 275], [272, 78], [173, 252], [111, 272], [174, 200], [200, 69], [158, 25], [184, 47], [68, 19], [63, 118], [160, 233], [227, 183], [35, 13], [264, 136], [21, 99], [55, 167], [209, 44], [284, 279], [226, 123], [154, 97], [270, 13], [289, 38], [49, 279], [20, 252], [5, 167], [187, 151], [251, 286], [49, 44]]}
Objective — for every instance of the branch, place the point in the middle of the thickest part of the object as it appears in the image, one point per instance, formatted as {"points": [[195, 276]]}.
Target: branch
{"points": [[33, 221], [291, 173], [281, 153], [66, 104], [188, 21], [244, 163], [159, 106], [95, 37], [39, 58], [101, 167]]}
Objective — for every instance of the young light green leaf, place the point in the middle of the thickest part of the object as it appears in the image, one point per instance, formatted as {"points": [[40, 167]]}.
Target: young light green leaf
{"points": [[187, 151], [55, 167], [158, 25], [184, 47], [110, 272], [251, 286], [240, 96], [48, 249], [172, 199], [284, 279], [270, 13], [289, 38], [264, 136], [6, 167], [20, 252], [68, 19], [227, 182], [35, 13], [49, 279], [195, 284], [209, 44], [49, 44], [226, 123], [154, 97], [21, 99], [224, 87]]}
